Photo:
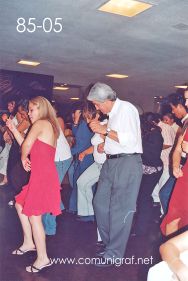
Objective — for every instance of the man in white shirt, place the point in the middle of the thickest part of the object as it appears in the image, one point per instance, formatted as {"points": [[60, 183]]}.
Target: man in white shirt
{"points": [[119, 181]]}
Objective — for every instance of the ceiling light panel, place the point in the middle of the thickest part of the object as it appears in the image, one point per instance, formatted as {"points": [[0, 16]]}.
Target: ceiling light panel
{"points": [[27, 62], [127, 8], [116, 75]]}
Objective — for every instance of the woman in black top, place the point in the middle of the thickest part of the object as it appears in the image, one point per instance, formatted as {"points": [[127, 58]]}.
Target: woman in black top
{"points": [[152, 142]]}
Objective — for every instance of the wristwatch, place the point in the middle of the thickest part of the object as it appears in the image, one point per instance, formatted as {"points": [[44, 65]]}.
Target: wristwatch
{"points": [[107, 132]]}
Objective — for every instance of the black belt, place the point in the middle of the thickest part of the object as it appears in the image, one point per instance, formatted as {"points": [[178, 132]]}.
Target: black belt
{"points": [[112, 156]]}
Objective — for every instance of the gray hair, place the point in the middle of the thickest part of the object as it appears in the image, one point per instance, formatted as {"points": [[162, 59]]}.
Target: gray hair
{"points": [[101, 92]]}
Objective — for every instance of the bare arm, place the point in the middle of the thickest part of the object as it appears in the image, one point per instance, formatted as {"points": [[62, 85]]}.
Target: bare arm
{"points": [[85, 152], [18, 136], [170, 252], [61, 123], [176, 158], [31, 138], [24, 125]]}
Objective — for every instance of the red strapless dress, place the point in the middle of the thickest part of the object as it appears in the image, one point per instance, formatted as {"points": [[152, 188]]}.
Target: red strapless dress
{"points": [[178, 206], [42, 194]]}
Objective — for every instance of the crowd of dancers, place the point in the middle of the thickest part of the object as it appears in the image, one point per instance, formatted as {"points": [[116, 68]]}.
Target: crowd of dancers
{"points": [[119, 164]]}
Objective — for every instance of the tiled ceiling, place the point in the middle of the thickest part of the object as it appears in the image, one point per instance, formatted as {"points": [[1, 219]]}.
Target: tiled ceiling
{"points": [[152, 47]]}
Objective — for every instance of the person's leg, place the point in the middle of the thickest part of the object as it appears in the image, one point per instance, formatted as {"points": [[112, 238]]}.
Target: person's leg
{"points": [[65, 167], [4, 160], [71, 173], [163, 179], [126, 180], [85, 193], [101, 202], [49, 223], [40, 242], [165, 193], [27, 231], [144, 212]]}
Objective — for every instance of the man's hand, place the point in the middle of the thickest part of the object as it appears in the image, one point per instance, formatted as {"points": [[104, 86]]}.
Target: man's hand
{"points": [[96, 127], [100, 147]]}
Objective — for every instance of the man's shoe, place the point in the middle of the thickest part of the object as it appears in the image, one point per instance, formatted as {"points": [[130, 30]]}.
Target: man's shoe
{"points": [[100, 244], [103, 262], [100, 254]]}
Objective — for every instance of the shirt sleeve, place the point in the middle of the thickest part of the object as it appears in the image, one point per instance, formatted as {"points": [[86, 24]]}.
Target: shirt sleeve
{"points": [[129, 131]]}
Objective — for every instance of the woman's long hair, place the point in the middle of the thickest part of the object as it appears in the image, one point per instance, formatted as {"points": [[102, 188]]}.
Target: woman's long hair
{"points": [[46, 112]]}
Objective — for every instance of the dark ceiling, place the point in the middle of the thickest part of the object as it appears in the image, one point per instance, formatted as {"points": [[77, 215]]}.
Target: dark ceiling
{"points": [[152, 47]]}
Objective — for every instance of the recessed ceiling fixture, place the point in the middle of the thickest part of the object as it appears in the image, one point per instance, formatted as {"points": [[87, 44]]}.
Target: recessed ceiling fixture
{"points": [[127, 8], [27, 62], [60, 88], [116, 75], [74, 98], [181, 87]]}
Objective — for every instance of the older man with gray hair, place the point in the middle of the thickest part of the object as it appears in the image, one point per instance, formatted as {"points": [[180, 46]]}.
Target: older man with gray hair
{"points": [[119, 182]]}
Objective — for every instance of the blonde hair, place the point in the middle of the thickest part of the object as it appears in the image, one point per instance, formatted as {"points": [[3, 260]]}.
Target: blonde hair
{"points": [[46, 112]]}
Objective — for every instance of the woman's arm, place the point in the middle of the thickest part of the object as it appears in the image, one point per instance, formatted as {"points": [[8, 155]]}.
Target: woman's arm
{"points": [[61, 123], [176, 158], [35, 131], [85, 152], [18, 136], [24, 125], [170, 252]]}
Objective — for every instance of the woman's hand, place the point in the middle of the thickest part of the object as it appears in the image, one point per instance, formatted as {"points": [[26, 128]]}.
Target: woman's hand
{"points": [[177, 172], [81, 156], [7, 138], [26, 164], [76, 116], [11, 125], [184, 146]]}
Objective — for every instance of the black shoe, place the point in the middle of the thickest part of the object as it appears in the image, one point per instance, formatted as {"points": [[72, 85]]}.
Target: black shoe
{"points": [[100, 254], [103, 262], [100, 244]]}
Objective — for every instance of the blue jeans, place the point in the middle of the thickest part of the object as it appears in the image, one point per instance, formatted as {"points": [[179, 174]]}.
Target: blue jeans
{"points": [[76, 169], [49, 221], [165, 193]]}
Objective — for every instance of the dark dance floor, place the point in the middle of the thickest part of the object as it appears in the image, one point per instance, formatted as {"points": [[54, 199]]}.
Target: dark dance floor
{"points": [[74, 239]]}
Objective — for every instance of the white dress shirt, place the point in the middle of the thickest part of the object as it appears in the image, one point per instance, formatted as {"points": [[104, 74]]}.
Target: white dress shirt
{"points": [[124, 119]]}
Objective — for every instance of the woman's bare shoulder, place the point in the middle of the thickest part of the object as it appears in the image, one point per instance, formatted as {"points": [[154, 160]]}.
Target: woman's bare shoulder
{"points": [[41, 122]]}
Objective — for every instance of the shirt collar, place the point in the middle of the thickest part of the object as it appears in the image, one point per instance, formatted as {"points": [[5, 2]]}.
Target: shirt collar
{"points": [[114, 108]]}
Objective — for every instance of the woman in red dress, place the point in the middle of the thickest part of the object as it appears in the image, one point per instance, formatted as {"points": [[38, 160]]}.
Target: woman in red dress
{"points": [[177, 216], [42, 194]]}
